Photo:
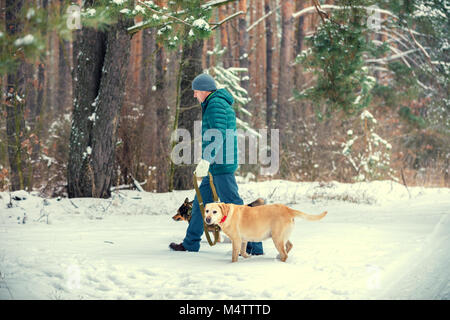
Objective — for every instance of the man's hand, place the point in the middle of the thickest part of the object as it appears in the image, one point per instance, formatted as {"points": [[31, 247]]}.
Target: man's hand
{"points": [[202, 168]]}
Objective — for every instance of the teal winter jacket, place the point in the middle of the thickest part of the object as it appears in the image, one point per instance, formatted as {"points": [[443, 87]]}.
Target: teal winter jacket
{"points": [[219, 140]]}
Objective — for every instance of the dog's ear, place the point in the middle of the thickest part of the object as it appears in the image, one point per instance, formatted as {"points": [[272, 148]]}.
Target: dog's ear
{"points": [[225, 208]]}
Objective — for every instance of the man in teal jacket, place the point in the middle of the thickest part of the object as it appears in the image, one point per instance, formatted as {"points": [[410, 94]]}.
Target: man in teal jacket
{"points": [[219, 153]]}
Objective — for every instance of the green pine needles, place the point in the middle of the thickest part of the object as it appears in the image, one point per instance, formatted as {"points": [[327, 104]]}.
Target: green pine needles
{"points": [[180, 22], [336, 56]]}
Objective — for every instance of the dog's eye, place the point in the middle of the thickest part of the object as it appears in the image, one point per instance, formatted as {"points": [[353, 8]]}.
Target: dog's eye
{"points": [[214, 211], [207, 211]]}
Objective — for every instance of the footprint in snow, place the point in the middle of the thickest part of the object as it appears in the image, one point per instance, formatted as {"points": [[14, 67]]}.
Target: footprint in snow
{"points": [[102, 287]]}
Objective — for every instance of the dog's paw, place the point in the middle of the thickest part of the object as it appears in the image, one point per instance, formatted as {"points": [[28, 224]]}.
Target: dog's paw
{"points": [[245, 255], [282, 259]]}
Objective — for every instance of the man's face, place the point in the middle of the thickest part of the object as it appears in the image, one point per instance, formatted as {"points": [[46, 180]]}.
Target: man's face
{"points": [[201, 95]]}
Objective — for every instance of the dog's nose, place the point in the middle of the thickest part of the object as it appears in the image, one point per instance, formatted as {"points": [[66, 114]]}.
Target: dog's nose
{"points": [[208, 220]]}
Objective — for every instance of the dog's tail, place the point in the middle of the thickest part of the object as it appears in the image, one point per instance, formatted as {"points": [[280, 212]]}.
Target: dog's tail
{"points": [[309, 216]]}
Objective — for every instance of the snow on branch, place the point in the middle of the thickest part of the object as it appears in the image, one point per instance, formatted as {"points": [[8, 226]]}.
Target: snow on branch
{"points": [[421, 48], [333, 7], [218, 24], [164, 14], [393, 57], [262, 19], [216, 3]]}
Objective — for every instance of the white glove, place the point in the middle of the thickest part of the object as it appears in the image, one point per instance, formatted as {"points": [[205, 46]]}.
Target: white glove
{"points": [[202, 168]]}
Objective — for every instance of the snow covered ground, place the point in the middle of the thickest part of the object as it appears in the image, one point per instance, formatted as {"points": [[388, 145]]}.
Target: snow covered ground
{"points": [[377, 242]]}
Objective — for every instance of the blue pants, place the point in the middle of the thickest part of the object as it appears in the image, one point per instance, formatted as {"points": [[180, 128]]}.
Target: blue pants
{"points": [[227, 190]]}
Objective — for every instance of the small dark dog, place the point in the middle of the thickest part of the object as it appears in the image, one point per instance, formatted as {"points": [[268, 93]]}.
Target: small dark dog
{"points": [[184, 212]]}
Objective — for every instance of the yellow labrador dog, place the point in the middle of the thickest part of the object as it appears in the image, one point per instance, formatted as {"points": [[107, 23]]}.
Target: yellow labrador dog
{"points": [[242, 224]]}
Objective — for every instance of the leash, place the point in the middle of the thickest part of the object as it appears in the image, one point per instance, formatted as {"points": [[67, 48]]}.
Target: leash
{"points": [[202, 208]]}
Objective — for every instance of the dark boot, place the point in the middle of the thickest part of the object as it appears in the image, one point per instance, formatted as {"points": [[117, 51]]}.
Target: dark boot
{"points": [[177, 247]]}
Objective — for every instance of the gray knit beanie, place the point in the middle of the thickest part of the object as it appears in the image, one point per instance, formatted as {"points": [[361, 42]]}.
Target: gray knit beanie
{"points": [[204, 82]]}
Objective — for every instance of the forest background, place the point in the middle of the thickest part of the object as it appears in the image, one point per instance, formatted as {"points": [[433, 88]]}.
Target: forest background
{"points": [[92, 91]]}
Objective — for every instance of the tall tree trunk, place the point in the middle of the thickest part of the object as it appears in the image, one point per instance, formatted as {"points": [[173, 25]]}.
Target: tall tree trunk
{"points": [[162, 121], [161, 143], [34, 107], [15, 126], [284, 111], [223, 10], [261, 57], [109, 103], [299, 78], [269, 49], [251, 64], [189, 110], [64, 91], [156, 180], [243, 41], [88, 55], [15, 122], [51, 70], [99, 86]]}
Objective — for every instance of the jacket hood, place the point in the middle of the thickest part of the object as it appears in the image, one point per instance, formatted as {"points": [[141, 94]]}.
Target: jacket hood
{"points": [[224, 94], [219, 94]]}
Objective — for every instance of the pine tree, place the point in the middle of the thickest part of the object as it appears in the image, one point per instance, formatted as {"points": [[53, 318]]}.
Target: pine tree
{"points": [[336, 57]]}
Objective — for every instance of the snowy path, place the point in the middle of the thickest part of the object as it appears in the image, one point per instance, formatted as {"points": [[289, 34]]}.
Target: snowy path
{"points": [[394, 250]]}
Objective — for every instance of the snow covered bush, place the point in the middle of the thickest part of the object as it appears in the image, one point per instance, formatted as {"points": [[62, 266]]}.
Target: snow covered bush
{"points": [[368, 154]]}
